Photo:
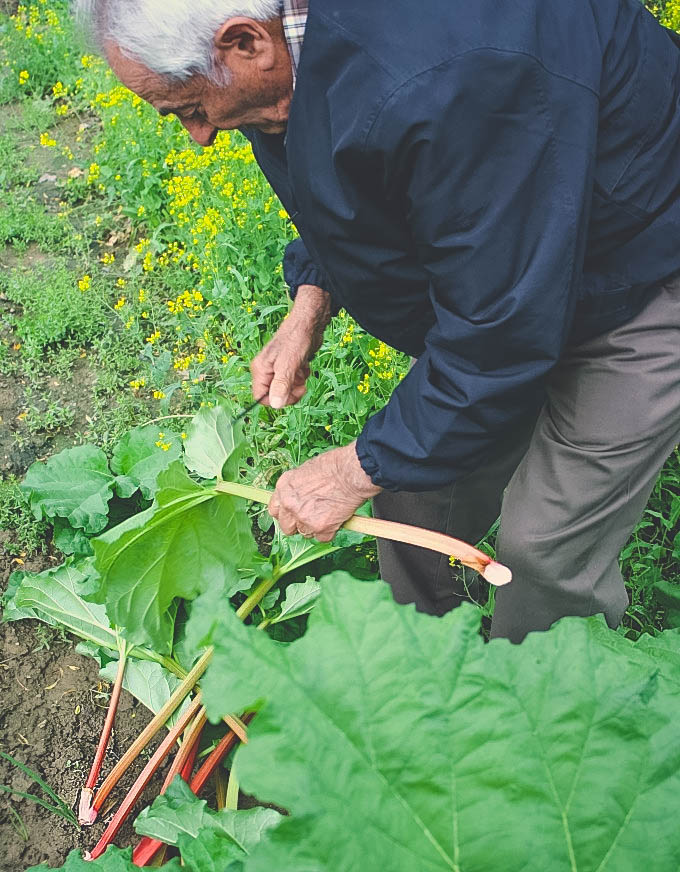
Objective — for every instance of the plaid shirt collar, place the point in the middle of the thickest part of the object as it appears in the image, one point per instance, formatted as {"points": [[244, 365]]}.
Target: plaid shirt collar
{"points": [[294, 19]]}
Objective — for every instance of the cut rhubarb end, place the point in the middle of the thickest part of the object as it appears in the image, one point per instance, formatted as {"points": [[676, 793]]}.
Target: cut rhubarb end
{"points": [[497, 574], [86, 814]]}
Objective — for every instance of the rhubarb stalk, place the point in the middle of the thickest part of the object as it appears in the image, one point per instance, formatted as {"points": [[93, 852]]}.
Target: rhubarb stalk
{"points": [[143, 779], [495, 573], [147, 849], [149, 732], [86, 814]]}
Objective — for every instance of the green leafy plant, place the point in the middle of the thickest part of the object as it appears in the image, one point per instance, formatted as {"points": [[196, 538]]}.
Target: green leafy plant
{"points": [[560, 750]]}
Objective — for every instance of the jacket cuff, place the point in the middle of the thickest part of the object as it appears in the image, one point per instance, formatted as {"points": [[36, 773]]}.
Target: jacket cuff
{"points": [[300, 269], [370, 465]]}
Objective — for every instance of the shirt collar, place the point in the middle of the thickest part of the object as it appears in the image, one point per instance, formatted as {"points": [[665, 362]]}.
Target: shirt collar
{"points": [[294, 19]]}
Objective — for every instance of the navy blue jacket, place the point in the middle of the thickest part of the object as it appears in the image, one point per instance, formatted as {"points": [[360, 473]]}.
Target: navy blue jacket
{"points": [[477, 184]]}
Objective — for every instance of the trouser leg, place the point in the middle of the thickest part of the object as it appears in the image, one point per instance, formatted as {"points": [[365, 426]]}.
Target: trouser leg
{"points": [[611, 420], [465, 510]]}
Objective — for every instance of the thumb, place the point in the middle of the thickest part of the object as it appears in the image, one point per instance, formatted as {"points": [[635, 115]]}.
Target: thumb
{"points": [[279, 389]]}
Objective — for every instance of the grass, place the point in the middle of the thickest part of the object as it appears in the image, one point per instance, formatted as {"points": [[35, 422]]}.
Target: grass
{"points": [[149, 275], [53, 804]]}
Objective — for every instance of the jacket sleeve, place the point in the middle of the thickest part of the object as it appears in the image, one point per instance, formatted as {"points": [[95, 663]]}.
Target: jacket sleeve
{"points": [[491, 157], [300, 269]]}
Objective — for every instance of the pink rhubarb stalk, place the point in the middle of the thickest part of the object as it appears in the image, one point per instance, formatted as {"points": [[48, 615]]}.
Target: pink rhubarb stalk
{"points": [[86, 814]]}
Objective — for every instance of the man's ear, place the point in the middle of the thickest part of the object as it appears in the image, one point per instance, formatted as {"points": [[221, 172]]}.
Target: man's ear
{"points": [[244, 40]]}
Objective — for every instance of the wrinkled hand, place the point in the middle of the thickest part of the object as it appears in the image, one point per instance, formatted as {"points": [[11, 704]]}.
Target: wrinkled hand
{"points": [[318, 497], [281, 369]]}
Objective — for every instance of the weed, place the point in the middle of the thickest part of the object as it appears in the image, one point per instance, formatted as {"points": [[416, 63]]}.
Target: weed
{"points": [[18, 823], [46, 637], [58, 306], [57, 806], [28, 534]]}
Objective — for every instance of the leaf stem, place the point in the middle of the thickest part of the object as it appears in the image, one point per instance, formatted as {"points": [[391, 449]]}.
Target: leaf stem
{"points": [[148, 848], [232, 791], [86, 815], [257, 595], [220, 789], [187, 750], [225, 745], [493, 572]]}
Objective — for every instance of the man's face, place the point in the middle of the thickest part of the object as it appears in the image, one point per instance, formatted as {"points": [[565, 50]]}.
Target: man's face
{"points": [[256, 95]]}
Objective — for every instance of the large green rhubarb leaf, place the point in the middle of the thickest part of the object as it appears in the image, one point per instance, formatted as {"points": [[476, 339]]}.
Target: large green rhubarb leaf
{"points": [[211, 851], [113, 860], [140, 456], [10, 610], [401, 741], [56, 597], [191, 539], [212, 444], [75, 484], [179, 812]]}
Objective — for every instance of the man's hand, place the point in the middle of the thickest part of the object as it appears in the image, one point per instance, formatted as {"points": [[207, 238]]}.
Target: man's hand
{"points": [[318, 497], [281, 369]]}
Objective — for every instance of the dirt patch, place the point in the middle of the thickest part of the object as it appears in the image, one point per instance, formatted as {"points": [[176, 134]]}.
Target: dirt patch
{"points": [[51, 710], [19, 446]]}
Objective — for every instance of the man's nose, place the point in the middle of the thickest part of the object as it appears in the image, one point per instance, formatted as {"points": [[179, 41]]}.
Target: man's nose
{"points": [[200, 130]]}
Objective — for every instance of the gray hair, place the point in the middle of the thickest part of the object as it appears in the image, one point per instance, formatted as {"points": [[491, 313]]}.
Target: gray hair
{"points": [[173, 38]]}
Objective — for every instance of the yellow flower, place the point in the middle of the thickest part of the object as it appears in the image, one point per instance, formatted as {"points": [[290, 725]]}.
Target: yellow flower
{"points": [[24, 77], [119, 303], [153, 337], [121, 283], [46, 140], [59, 90], [158, 395], [140, 211], [108, 257], [283, 213], [137, 383], [62, 110], [85, 282]]}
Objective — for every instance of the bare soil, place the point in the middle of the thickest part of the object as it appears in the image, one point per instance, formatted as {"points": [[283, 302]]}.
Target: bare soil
{"points": [[52, 707]]}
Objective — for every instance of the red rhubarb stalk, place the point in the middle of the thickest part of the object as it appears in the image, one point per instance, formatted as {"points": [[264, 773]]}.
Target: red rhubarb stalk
{"points": [[188, 748], [150, 731], [86, 814], [143, 779], [146, 850]]}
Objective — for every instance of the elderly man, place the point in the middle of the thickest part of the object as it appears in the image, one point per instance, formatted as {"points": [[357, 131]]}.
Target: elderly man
{"points": [[495, 190]]}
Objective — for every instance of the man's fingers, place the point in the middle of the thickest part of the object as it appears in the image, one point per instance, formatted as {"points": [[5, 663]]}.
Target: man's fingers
{"points": [[262, 372], [279, 390]]}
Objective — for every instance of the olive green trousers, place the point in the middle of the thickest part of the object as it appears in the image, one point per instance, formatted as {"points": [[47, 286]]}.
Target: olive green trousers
{"points": [[569, 486]]}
